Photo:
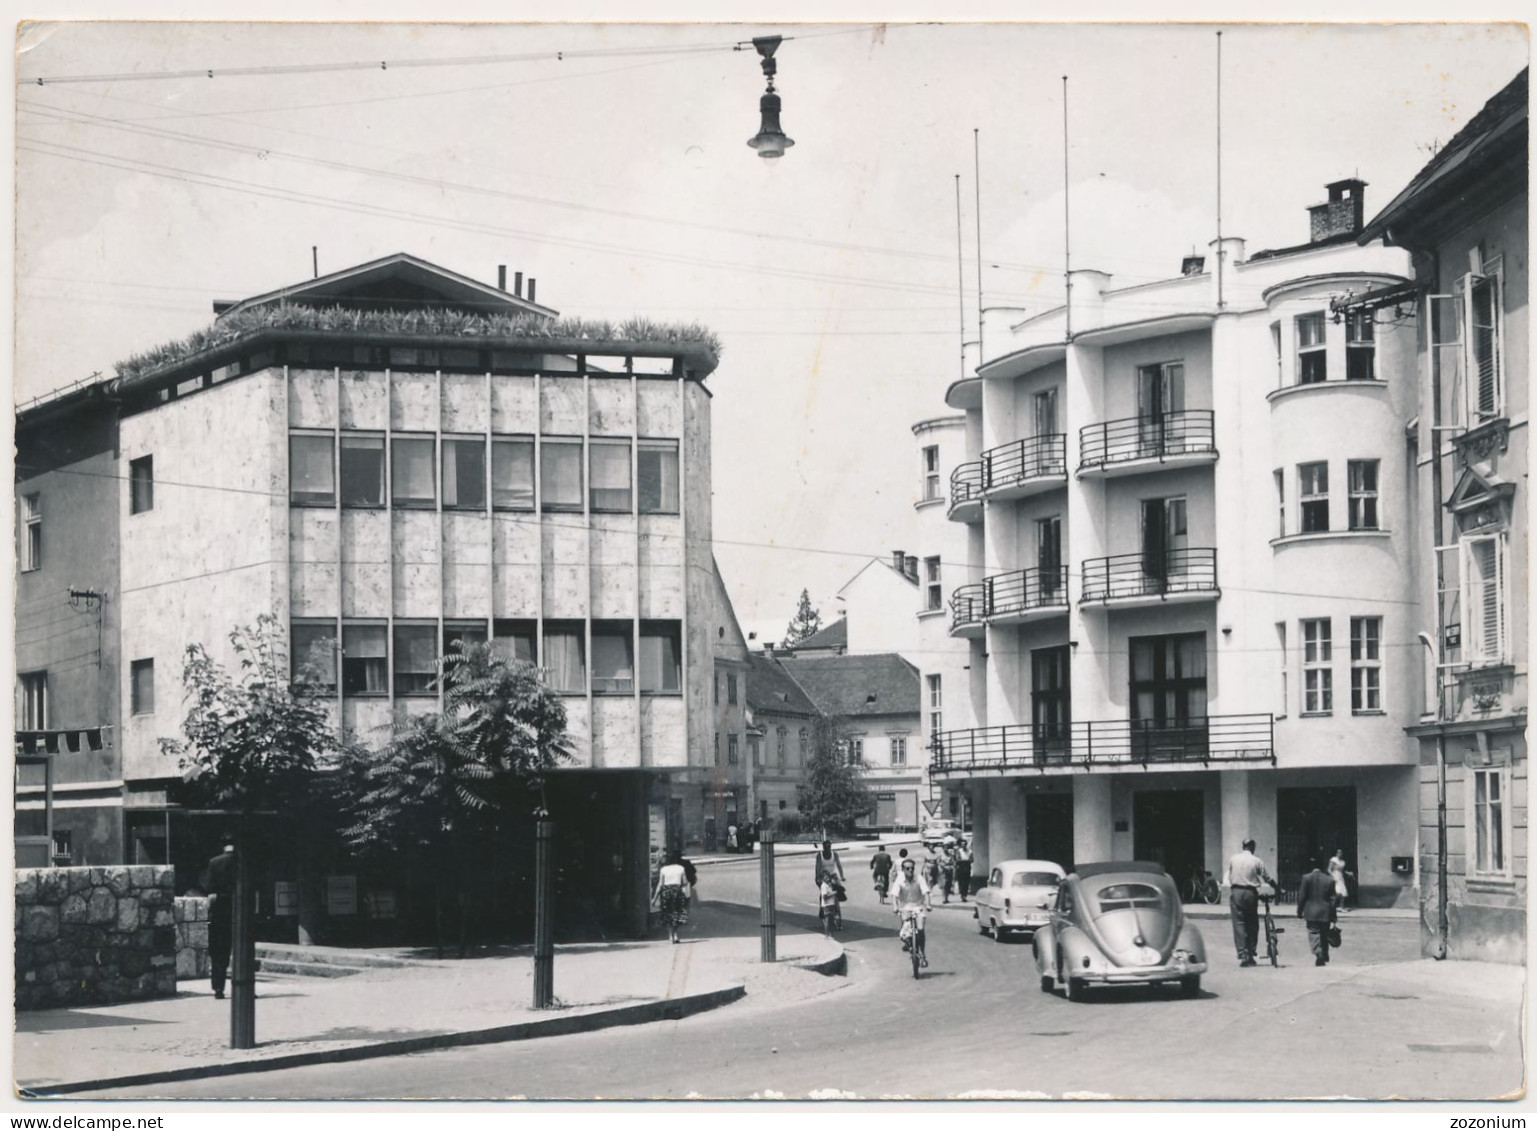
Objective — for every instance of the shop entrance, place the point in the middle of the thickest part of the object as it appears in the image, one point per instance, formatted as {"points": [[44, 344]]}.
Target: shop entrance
{"points": [[1049, 827], [1313, 819], [1169, 828]]}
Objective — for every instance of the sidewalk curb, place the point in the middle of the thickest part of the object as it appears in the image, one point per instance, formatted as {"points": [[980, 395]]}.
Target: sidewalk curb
{"points": [[670, 1009]]}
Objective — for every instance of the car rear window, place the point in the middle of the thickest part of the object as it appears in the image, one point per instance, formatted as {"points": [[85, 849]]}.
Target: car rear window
{"points": [[1118, 897], [1033, 880]]}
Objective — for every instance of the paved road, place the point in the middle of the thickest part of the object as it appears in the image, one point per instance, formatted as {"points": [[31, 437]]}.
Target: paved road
{"points": [[978, 1024]]}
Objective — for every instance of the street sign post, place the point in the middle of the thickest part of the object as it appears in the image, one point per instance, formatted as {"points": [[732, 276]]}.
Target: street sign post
{"points": [[544, 918], [767, 920]]}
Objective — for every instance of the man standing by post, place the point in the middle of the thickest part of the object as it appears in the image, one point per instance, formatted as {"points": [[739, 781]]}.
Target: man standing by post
{"points": [[219, 883], [1245, 873]]}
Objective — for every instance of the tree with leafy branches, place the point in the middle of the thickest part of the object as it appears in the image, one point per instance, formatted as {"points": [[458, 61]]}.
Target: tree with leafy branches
{"points": [[448, 785], [806, 622], [833, 792]]}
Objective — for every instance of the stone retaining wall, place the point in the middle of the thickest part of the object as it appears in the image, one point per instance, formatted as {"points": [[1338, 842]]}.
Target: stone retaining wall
{"points": [[191, 936], [91, 936]]}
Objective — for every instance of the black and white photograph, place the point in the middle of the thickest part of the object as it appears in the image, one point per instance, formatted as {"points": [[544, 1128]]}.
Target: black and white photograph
{"points": [[830, 560]]}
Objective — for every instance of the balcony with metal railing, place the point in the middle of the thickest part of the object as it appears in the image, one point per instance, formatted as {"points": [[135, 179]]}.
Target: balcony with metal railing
{"points": [[1025, 594], [966, 493], [1139, 444], [968, 606], [1150, 578], [1194, 743], [1025, 467]]}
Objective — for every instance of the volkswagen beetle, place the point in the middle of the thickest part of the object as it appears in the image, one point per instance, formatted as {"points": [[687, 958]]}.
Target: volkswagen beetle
{"points": [[1118, 924], [1018, 897]]}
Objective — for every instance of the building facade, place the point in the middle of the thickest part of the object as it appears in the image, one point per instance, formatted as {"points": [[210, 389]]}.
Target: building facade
{"points": [[779, 736], [396, 457], [1188, 591], [1465, 219]]}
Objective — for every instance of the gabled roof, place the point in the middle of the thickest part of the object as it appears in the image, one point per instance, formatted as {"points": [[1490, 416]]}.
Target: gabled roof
{"points": [[885, 564], [852, 686], [1496, 136], [399, 280], [770, 690], [835, 637]]}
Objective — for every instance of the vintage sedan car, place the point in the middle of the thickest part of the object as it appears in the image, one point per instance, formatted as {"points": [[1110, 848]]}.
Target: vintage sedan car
{"points": [[1018, 897], [936, 831], [1118, 924]]}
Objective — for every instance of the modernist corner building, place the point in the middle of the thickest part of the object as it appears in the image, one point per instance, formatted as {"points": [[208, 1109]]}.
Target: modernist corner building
{"points": [[1189, 589], [391, 458]]}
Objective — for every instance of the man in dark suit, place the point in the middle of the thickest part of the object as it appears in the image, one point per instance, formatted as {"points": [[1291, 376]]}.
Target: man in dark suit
{"points": [[219, 884], [1315, 904]]}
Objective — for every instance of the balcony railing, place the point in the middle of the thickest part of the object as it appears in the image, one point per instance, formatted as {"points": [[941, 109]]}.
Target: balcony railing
{"points": [[966, 484], [1150, 574], [1114, 742], [1189, 432], [1023, 590], [1039, 457], [967, 607]]}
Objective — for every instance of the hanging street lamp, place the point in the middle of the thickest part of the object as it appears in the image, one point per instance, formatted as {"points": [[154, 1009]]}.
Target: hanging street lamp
{"points": [[770, 141]]}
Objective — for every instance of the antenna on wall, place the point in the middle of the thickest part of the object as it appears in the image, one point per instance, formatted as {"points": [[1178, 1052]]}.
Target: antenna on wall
{"points": [[960, 274], [1067, 228], [976, 153], [1221, 251]]}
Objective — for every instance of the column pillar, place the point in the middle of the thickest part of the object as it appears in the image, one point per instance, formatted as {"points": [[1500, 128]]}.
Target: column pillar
{"points": [[1236, 820], [1092, 823]]}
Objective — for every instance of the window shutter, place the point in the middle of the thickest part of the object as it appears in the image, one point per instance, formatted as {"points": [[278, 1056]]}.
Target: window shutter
{"points": [[1483, 580]]}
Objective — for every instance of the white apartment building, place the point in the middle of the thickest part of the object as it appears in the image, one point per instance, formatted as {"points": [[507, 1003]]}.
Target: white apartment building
{"points": [[1188, 590]]}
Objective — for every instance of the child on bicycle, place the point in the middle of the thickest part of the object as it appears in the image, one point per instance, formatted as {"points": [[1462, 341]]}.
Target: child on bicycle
{"points": [[828, 905], [913, 900]]}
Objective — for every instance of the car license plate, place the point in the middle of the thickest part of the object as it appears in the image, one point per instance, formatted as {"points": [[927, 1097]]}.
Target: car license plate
{"points": [[1147, 956]]}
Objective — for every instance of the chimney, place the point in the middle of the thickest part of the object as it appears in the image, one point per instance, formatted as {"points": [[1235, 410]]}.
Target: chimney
{"points": [[1343, 214], [501, 276], [517, 283], [899, 561], [1192, 265], [912, 567], [531, 290]]}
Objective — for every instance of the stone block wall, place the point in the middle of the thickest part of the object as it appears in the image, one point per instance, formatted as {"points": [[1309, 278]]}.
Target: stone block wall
{"points": [[191, 936], [92, 936]]}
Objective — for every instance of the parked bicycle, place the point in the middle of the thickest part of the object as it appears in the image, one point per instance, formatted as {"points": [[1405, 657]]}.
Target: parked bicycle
{"points": [[1272, 943], [1202, 887]]}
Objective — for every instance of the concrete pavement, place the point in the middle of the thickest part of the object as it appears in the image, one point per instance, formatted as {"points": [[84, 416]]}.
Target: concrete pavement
{"points": [[387, 1011]]}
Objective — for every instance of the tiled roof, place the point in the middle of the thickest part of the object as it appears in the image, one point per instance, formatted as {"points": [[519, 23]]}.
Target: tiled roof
{"points": [[835, 635], [770, 690], [881, 684]]}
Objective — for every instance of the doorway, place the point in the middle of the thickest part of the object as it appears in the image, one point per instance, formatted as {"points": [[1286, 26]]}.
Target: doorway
{"points": [[1169, 828], [1049, 828], [1313, 819]]}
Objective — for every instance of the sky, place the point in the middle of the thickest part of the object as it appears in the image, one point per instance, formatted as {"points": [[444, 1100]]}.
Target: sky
{"points": [[609, 162]]}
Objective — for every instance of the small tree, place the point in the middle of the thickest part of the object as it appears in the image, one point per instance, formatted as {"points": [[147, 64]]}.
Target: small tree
{"points": [[833, 793], [806, 622]]}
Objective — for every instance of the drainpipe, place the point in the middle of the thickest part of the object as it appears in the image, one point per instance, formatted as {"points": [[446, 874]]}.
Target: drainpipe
{"points": [[1435, 646], [1441, 931]]}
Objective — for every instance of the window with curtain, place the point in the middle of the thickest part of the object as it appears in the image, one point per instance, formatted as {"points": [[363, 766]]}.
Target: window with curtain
{"points": [[362, 471], [311, 476], [365, 655], [313, 652], [512, 473], [412, 481], [516, 640], [610, 475], [613, 658], [565, 657], [560, 473], [658, 467], [464, 474], [661, 667], [416, 658]]}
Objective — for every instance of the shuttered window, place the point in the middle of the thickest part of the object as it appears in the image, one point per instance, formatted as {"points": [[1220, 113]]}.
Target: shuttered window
{"points": [[1484, 572]]}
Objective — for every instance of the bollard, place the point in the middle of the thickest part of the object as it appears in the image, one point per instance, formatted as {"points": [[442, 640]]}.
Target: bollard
{"points": [[242, 1005], [766, 916], [544, 915]]}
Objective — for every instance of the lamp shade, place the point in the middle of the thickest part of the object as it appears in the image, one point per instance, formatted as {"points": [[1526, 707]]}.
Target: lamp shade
{"points": [[770, 141]]}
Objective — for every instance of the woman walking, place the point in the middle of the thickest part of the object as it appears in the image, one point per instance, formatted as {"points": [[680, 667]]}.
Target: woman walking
{"points": [[671, 893], [1337, 873]]}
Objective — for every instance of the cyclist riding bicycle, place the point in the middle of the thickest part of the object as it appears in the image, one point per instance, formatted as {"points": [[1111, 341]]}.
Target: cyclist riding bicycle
{"points": [[913, 902], [880, 870]]}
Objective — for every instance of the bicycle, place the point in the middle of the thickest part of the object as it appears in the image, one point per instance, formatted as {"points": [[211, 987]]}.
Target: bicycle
{"points": [[912, 936], [882, 886], [1272, 943], [1202, 887]]}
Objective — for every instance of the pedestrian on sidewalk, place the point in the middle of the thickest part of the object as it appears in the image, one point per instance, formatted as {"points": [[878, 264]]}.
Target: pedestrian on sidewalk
{"points": [[963, 868], [1337, 874], [218, 883], [932, 873], [671, 894], [1245, 873], [1315, 905], [947, 868]]}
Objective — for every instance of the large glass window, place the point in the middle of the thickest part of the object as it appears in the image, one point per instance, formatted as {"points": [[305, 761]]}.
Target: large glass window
{"points": [[1490, 821], [610, 475], [1363, 494], [365, 655], [416, 658], [362, 471], [313, 652], [141, 485], [516, 639], [1313, 496], [459, 635], [464, 474], [661, 667], [311, 470], [560, 473], [613, 657], [1317, 667], [412, 482], [1365, 665], [1360, 346], [658, 467], [1312, 355], [512, 473], [565, 656], [1168, 679], [1051, 700]]}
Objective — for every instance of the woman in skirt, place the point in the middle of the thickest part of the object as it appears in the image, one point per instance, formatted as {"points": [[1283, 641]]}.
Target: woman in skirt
{"points": [[671, 894]]}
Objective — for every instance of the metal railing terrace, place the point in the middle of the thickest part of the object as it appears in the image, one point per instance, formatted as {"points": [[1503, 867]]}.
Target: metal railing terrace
{"points": [[1035, 458], [967, 606], [966, 484], [1113, 742], [1024, 590], [1188, 432], [1149, 574]]}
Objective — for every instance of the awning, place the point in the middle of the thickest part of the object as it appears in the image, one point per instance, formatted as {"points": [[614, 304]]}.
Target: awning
{"points": [[51, 741]]}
